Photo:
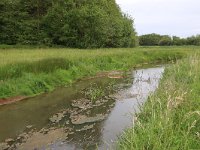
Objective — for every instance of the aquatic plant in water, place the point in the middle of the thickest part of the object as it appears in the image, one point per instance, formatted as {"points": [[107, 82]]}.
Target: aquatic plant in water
{"points": [[94, 92]]}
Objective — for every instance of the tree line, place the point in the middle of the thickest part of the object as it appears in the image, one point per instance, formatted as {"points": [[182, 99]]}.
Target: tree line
{"points": [[70, 23], [166, 40]]}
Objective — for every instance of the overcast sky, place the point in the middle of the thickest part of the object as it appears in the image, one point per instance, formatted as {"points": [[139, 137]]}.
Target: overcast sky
{"points": [[172, 17]]}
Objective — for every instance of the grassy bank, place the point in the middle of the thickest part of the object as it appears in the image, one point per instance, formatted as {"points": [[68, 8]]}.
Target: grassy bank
{"points": [[28, 72], [170, 120]]}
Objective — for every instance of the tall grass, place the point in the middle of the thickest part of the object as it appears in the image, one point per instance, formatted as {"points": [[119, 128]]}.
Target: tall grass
{"points": [[170, 120], [42, 66], [32, 71]]}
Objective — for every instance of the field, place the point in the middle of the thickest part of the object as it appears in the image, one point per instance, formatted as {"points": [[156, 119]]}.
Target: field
{"points": [[31, 71], [171, 117], [169, 120]]}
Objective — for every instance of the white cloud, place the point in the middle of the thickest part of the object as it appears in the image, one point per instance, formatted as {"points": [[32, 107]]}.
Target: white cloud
{"points": [[173, 17]]}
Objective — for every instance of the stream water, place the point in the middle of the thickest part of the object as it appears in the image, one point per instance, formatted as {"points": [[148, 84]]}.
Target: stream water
{"points": [[66, 120]]}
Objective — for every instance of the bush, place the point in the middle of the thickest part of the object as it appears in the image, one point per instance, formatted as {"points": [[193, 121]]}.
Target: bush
{"points": [[79, 24]]}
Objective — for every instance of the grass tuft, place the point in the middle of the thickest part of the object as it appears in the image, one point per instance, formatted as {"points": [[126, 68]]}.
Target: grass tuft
{"points": [[94, 92], [48, 65]]}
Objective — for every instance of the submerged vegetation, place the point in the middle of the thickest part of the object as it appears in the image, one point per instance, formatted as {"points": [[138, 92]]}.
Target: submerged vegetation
{"points": [[170, 119], [32, 71], [94, 92]]}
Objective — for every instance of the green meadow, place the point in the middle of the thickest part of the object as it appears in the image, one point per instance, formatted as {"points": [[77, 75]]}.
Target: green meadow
{"points": [[31, 71]]}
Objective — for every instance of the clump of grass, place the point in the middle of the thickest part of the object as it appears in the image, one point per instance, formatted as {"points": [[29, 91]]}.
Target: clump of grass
{"points": [[94, 92], [171, 117], [41, 66], [111, 87]]}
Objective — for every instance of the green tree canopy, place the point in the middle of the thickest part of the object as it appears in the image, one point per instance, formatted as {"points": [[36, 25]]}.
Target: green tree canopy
{"points": [[165, 40], [72, 23], [150, 39]]}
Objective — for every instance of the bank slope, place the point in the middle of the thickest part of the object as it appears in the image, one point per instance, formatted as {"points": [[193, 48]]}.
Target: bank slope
{"points": [[171, 117]]}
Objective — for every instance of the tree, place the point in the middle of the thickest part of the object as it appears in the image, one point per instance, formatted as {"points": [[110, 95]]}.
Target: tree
{"points": [[178, 41], [149, 39], [71, 23], [193, 40], [165, 41]]}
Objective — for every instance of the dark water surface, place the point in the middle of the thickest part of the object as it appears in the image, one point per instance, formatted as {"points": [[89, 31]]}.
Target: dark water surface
{"points": [[28, 123]]}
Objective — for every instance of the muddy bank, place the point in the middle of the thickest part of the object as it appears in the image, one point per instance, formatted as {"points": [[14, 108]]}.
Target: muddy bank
{"points": [[12, 100]]}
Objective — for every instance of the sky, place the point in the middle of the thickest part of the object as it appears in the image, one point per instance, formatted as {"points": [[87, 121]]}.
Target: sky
{"points": [[168, 17]]}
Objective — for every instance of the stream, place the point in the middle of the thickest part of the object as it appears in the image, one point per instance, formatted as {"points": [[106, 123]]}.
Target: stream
{"points": [[66, 120]]}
